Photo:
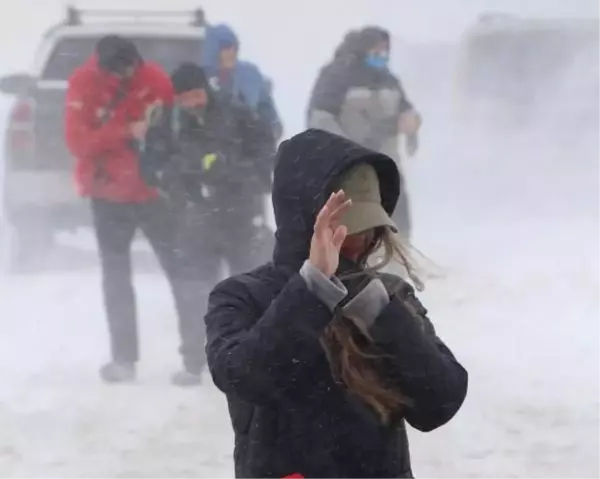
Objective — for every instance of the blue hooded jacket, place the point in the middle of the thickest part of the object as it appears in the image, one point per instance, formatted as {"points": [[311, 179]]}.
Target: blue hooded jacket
{"points": [[247, 84]]}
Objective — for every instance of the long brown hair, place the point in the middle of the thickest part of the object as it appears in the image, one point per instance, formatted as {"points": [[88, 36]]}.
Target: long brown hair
{"points": [[346, 346]]}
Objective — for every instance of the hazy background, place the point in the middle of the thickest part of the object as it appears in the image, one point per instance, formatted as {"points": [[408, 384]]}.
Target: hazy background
{"points": [[510, 220], [312, 29]]}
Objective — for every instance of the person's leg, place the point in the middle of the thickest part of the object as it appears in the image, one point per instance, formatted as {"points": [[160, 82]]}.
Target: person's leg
{"points": [[201, 249], [115, 226], [168, 231], [246, 245]]}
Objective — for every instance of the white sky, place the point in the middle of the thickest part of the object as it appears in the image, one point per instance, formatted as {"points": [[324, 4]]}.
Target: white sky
{"points": [[314, 26], [288, 39]]}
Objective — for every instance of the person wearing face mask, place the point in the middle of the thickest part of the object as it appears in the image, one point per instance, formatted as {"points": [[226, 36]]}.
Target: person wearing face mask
{"points": [[203, 154], [357, 96], [324, 358]]}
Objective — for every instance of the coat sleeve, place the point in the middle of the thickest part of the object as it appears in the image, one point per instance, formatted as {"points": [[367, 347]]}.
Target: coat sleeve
{"points": [[157, 148], [161, 83], [405, 103], [326, 100], [84, 137], [420, 365], [268, 112], [258, 146], [261, 358]]}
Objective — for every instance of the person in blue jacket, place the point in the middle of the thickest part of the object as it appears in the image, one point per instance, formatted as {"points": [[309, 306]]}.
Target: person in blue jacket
{"points": [[241, 80]]}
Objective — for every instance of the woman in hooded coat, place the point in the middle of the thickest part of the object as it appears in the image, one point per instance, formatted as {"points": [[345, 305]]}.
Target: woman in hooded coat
{"points": [[357, 96], [321, 356]]}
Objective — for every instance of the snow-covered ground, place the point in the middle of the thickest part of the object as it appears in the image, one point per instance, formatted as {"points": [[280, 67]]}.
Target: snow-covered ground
{"points": [[518, 234], [517, 246], [512, 226]]}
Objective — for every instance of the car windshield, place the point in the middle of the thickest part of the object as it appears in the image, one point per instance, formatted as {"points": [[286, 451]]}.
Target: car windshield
{"points": [[168, 51]]}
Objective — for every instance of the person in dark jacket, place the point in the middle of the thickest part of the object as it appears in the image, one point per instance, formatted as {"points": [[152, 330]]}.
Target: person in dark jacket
{"points": [[204, 155], [242, 82], [357, 96], [322, 357], [205, 141], [106, 105]]}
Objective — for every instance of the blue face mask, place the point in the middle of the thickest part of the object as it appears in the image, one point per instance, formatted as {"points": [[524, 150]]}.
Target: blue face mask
{"points": [[378, 61]]}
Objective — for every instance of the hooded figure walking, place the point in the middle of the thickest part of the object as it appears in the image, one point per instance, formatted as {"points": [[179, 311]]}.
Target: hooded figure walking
{"points": [[357, 96], [241, 83], [322, 357], [202, 153]]}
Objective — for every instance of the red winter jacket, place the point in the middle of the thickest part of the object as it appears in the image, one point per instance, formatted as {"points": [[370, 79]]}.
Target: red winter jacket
{"points": [[107, 165]]}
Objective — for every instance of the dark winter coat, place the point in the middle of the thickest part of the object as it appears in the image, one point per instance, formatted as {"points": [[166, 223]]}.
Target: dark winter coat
{"points": [[263, 329], [175, 145], [356, 101]]}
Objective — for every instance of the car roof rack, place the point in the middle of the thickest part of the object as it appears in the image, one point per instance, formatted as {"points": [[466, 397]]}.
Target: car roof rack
{"points": [[75, 15]]}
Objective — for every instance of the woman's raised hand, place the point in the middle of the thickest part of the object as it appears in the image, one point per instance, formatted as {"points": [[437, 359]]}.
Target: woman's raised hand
{"points": [[329, 235]]}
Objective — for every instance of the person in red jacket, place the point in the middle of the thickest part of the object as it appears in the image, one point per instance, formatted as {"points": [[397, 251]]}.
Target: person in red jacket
{"points": [[108, 99]]}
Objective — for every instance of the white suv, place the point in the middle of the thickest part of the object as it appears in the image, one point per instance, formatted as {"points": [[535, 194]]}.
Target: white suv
{"points": [[38, 193]]}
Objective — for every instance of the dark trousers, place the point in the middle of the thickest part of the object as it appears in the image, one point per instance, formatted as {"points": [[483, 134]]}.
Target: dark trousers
{"points": [[223, 228], [115, 226]]}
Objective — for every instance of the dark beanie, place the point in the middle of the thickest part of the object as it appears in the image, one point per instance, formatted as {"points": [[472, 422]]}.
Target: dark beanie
{"points": [[189, 76], [115, 53]]}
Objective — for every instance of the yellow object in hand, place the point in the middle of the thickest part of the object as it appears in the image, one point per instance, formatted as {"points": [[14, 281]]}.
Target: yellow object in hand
{"points": [[208, 161]]}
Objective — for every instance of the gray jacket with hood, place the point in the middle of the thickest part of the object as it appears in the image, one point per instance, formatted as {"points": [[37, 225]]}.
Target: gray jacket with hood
{"points": [[356, 101]]}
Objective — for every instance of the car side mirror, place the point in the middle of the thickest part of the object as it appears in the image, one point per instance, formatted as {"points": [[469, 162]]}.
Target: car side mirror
{"points": [[19, 84]]}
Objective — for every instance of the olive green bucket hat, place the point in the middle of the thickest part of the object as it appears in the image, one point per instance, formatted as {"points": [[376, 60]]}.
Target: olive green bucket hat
{"points": [[361, 185]]}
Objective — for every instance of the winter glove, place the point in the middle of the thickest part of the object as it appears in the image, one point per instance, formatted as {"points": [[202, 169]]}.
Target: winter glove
{"points": [[169, 182]]}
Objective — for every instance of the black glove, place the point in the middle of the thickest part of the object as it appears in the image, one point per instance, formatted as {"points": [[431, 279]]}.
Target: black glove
{"points": [[169, 182]]}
